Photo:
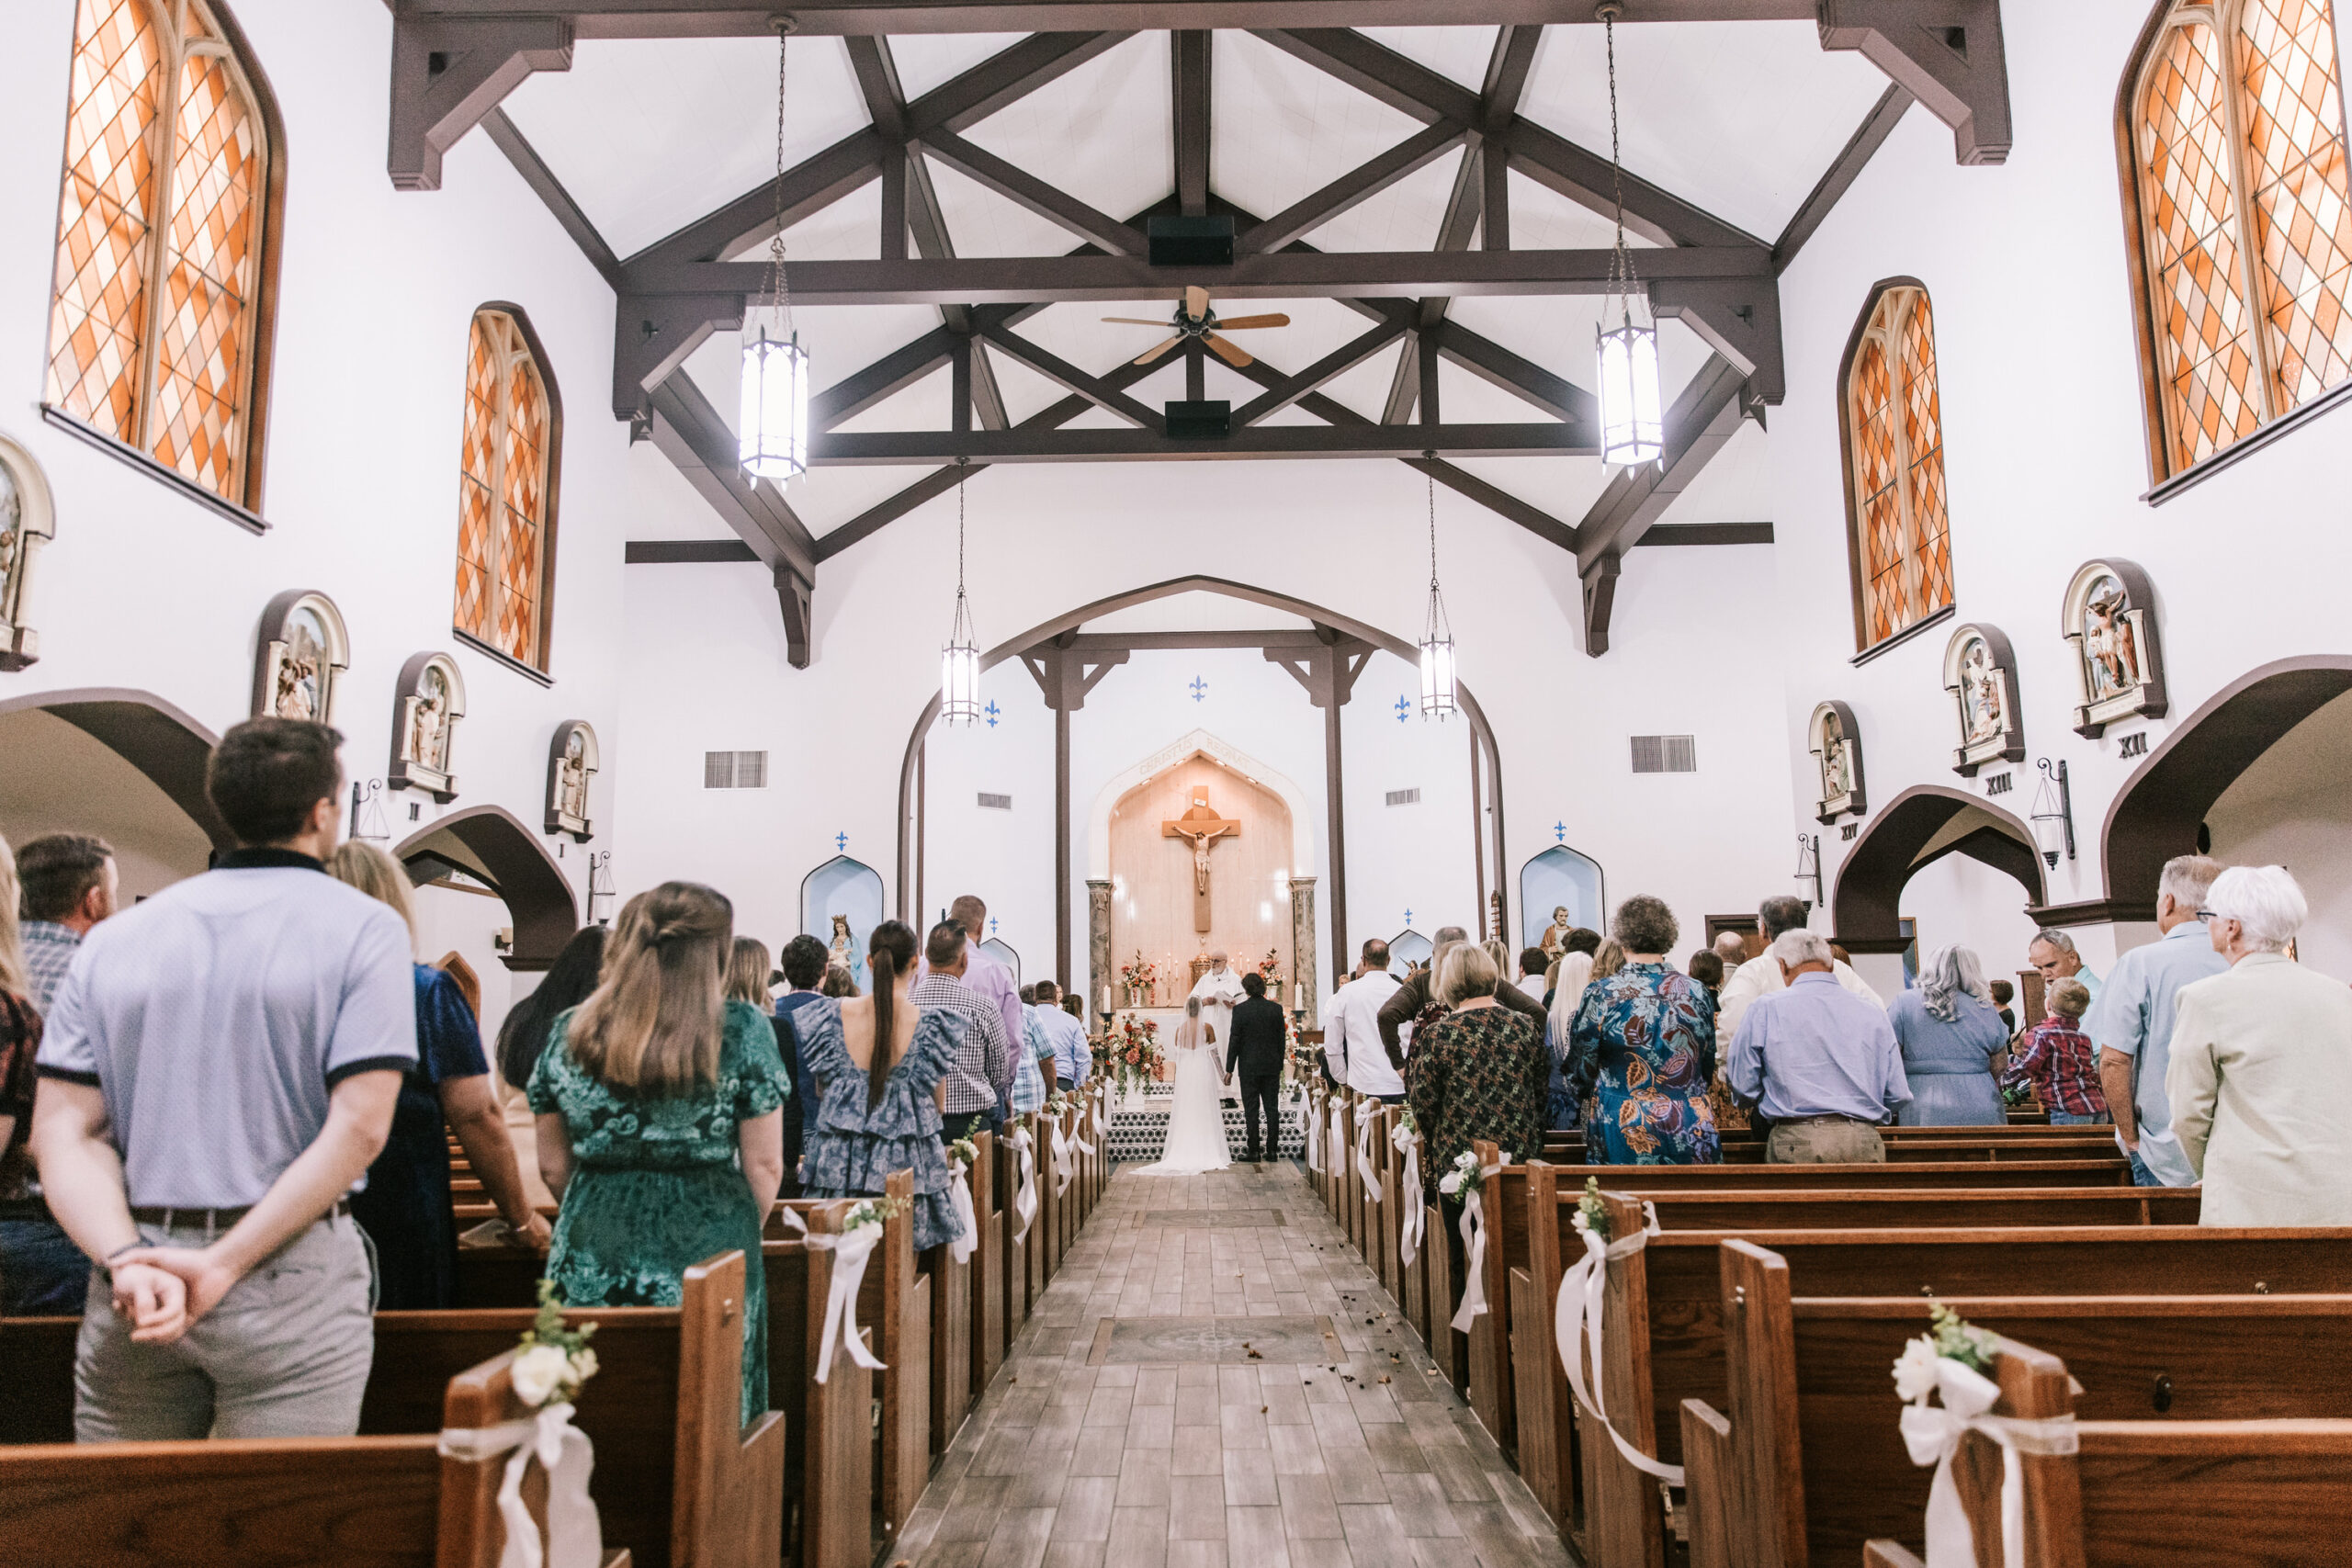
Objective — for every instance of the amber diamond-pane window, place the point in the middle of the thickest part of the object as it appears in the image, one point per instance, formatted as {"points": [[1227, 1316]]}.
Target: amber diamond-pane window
{"points": [[152, 342], [1895, 425], [2291, 118], [503, 490]]}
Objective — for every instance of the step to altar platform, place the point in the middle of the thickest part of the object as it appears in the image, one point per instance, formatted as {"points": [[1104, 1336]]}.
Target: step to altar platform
{"points": [[1139, 1126]]}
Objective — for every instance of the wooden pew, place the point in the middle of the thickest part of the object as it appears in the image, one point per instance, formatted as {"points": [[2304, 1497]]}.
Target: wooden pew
{"points": [[1025, 1254], [1813, 1465], [677, 1479], [1664, 1323], [1392, 1171], [1798, 1177], [998, 1255], [1987, 1146], [905, 1338], [951, 1337]]}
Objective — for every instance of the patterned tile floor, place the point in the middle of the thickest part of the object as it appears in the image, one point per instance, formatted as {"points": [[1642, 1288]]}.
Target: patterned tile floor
{"points": [[1198, 1462]]}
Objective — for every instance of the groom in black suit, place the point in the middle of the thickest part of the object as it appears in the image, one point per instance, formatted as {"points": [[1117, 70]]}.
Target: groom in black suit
{"points": [[1255, 1050]]}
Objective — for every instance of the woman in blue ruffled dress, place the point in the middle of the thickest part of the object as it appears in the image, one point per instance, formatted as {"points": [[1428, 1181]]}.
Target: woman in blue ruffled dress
{"points": [[1644, 1044], [877, 1063]]}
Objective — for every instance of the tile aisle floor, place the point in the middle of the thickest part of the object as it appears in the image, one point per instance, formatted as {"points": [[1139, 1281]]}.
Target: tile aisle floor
{"points": [[1087, 1454]]}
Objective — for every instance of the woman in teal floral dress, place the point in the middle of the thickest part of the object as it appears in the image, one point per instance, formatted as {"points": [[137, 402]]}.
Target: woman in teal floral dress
{"points": [[877, 1062], [1644, 1044], [661, 1120]]}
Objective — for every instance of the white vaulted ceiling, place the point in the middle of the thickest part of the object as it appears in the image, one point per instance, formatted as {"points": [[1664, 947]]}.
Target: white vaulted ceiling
{"points": [[1740, 120]]}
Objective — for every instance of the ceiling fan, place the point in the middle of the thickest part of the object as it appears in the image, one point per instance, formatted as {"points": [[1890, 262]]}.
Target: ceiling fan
{"points": [[1194, 319]]}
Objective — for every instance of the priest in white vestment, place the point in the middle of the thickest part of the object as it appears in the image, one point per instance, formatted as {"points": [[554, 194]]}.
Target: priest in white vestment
{"points": [[1218, 988]]}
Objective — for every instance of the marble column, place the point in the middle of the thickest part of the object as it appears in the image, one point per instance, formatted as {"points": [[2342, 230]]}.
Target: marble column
{"points": [[1098, 943], [1305, 968]]}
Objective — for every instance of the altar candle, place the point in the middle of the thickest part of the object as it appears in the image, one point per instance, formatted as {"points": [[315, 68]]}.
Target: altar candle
{"points": [[1106, 998]]}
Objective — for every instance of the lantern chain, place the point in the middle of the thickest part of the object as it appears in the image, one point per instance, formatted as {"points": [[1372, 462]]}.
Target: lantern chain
{"points": [[1620, 266], [779, 291]]}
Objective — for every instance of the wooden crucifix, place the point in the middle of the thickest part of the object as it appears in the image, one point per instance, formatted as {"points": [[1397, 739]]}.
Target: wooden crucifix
{"points": [[1200, 826]]}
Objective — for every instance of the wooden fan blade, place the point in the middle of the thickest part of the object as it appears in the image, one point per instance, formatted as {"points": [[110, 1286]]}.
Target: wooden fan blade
{"points": [[1197, 302], [1243, 324], [1150, 355], [1233, 353], [1134, 321]]}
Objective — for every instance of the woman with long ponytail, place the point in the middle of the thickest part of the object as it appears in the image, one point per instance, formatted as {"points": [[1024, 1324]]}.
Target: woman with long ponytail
{"points": [[660, 1119], [879, 1061]]}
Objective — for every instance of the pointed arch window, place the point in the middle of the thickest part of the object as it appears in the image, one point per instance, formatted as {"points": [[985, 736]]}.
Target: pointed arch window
{"points": [[506, 489], [1893, 418], [2237, 191], [166, 239]]}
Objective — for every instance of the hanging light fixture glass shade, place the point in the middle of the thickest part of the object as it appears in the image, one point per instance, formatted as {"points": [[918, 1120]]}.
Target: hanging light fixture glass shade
{"points": [[772, 426], [1633, 414], [1633, 417], [959, 661], [774, 429], [1437, 635]]}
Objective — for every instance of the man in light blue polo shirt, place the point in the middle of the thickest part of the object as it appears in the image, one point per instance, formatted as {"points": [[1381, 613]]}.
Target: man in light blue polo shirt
{"points": [[218, 1073], [2130, 1023], [1065, 1044], [1818, 1062]]}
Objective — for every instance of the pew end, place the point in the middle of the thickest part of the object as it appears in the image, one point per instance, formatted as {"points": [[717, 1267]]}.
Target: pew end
{"points": [[730, 1490], [472, 1532], [1708, 1478], [1887, 1554]]}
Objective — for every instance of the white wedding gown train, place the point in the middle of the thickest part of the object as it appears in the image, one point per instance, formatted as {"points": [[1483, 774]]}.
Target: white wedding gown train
{"points": [[1196, 1126]]}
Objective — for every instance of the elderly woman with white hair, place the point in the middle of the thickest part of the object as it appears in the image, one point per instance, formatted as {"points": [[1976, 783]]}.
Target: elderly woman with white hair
{"points": [[2261, 1067], [1950, 1032]]}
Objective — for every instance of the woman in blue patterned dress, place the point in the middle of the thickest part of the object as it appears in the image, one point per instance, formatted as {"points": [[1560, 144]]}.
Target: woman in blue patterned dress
{"points": [[877, 1063], [661, 1120], [1644, 1044]]}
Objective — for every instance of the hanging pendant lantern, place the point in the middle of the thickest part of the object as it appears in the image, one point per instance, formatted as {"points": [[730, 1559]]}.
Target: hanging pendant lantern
{"points": [[772, 426], [1437, 634], [1633, 417], [959, 661]]}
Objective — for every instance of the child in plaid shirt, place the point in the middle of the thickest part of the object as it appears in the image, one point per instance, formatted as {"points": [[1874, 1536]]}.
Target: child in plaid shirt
{"points": [[2060, 1061]]}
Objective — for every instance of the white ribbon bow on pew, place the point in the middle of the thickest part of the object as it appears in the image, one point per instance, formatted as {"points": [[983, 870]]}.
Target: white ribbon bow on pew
{"points": [[1314, 1141], [1060, 1144], [575, 1536], [1409, 1190], [1025, 1197], [967, 1223], [1335, 1141], [850, 1248], [1932, 1433], [1367, 1117], [1474, 1256], [1578, 1314]]}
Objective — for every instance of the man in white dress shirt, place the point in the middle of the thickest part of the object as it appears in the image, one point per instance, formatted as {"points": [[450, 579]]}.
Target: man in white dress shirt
{"points": [[1763, 978], [1219, 987], [1352, 1028]]}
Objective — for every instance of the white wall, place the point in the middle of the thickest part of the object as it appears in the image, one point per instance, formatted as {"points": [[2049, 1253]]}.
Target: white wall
{"points": [[2290, 809], [144, 588], [2044, 446]]}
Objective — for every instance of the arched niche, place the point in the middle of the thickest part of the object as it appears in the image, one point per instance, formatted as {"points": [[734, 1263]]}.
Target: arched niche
{"points": [[490, 845], [428, 704], [1913, 832], [28, 521], [301, 657], [996, 947], [1559, 877], [851, 890], [1406, 949], [1482, 731], [1231, 758], [2156, 814], [123, 764]]}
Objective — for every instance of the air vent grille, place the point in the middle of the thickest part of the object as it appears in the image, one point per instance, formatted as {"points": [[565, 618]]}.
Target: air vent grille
{"points": [[734, 770], [1404, 798], [1665, 754], [995, 802]]}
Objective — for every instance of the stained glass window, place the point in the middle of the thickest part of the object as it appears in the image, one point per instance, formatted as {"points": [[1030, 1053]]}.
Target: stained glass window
{"points": [[503, 484], [1894, 433], [160, 239], [2238, 126]]}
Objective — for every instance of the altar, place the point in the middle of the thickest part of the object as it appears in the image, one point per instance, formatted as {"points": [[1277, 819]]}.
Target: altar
{"points": [[1139, 1125]]}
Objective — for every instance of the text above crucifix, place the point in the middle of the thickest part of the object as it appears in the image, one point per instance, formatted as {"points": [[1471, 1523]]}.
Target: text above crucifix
{"points": [[1201, 827]]}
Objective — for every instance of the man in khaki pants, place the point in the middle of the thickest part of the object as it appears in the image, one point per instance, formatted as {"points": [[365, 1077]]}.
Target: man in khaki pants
{"points": [[1819, 1063], [218, 1073]]}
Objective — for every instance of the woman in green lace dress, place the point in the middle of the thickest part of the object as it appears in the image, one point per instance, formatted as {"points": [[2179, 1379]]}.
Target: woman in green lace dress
{"points": [[660, 1121]]}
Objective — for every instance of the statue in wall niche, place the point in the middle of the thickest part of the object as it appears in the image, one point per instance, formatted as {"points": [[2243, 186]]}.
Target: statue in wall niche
{"points": [[2107, 641], [1979, 696], [1980, 674], [426, 708], [428, 735], [298, 693], [572, 782], [2109, 619], [302, 651], [1555, 938], [839, 956], [1836, 742], [572, 760]]}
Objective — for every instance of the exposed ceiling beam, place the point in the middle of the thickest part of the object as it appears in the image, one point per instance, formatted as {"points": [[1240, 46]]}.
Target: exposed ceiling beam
{"points": [[1358, 185], [1189, 55], [1332, 366], [1282, 275], [1084, 222], [691, 433], [536, 174], [1070, 378], [1018, 445], [449, 71], [1844, 169], [701, 19], [1523, 379], [1948, 54], [893, 373]]}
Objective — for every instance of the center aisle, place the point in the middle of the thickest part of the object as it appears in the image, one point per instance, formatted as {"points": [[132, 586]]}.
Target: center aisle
{"points": [[1213, 1380]]}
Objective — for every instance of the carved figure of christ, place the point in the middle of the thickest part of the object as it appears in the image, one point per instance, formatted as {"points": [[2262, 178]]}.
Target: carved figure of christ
{"points": [[1201, 827]]}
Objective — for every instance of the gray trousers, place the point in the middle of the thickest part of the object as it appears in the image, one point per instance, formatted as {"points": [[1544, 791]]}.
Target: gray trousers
{"points": [[1831, 1141], [286, 1354]]}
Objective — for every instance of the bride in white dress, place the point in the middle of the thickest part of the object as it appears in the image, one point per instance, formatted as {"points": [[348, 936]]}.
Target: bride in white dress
{"points": [[1196, 1125]]}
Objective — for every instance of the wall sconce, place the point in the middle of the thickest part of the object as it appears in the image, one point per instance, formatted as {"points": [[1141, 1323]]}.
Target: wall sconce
{"points": [[600, 888], [1809, 870], [2054, 814], [367, 813]]}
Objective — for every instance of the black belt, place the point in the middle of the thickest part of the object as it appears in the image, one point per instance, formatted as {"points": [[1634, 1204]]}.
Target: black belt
{"points": [[210, 1219]]}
